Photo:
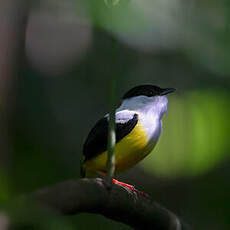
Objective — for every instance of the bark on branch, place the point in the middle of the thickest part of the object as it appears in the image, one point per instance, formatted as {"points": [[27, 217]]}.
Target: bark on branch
{"points": [[116, 202]]}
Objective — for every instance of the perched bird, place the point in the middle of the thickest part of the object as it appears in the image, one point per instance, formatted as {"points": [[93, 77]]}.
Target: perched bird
{"points": [[138, 123]]}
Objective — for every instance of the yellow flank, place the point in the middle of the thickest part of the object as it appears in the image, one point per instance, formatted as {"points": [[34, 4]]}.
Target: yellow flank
{"points": [[128, 152]]}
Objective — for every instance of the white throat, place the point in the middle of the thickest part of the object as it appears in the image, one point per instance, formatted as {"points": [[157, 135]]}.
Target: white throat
{"points": [[150, 111], [157, 105]]}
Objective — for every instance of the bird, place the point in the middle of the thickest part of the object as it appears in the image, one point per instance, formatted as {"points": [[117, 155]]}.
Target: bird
{"points": [[138, 126]]}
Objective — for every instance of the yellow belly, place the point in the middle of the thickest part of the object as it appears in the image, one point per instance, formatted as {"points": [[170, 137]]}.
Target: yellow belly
{"points": [[128, 152]]}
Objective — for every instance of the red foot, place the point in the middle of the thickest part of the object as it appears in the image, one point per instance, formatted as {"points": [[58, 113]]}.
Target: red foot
{"points": [[132, 188]]}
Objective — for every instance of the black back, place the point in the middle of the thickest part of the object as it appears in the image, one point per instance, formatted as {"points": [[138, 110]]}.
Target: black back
{"points": [[96, 141]]}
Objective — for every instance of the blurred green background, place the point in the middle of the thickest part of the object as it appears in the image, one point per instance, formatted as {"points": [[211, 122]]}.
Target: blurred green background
{"points": [[58, 60]]}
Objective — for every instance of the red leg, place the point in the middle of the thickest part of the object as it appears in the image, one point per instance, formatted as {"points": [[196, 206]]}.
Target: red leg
{"points": [[132, 188]]}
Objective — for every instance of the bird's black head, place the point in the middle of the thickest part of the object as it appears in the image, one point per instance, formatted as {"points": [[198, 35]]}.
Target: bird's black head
{"points": [[147, 90]]}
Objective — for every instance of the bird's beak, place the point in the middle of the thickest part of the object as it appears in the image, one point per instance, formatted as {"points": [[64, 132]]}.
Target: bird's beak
{"points": [[167, 91]]}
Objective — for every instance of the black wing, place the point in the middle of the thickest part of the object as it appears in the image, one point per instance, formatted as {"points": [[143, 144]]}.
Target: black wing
{"points": [[96, 141]]}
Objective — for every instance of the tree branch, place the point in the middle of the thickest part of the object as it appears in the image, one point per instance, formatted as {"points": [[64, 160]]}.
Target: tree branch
{"points": [[116, 202]]}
